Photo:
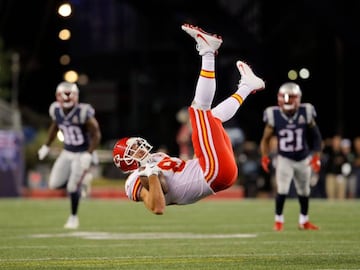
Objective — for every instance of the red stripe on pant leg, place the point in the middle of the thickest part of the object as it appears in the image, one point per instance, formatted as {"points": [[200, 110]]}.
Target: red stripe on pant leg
{"points": [[202, 149], [228, 170]]}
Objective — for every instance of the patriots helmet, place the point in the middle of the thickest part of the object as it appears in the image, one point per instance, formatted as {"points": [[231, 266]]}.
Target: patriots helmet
{"points": [[67, 94], [289, 97]]}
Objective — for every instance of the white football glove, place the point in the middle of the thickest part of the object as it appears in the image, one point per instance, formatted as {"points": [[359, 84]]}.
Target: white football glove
{"points": [[150, 169], [43, 151], [85, 160]]}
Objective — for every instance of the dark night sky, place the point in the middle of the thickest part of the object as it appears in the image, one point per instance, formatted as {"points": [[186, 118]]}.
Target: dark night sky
{"points": [[144, 67]]}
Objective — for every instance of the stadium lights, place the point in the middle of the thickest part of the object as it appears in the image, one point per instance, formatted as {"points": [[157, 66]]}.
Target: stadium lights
{"points": [[65, 59], [65, 10], [83, 79], [304, 73], [64, 34], [292, 75], [71, 76]]}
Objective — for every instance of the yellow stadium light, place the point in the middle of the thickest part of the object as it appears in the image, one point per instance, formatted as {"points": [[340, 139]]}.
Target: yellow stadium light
{"points": [[71, 76], [292, 75], [65, 34]]}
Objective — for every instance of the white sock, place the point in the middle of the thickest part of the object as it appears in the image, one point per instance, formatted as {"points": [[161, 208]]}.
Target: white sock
{"points": [[279, 218], [303, 218], [226, 109], [243, 91], [206, 84]]}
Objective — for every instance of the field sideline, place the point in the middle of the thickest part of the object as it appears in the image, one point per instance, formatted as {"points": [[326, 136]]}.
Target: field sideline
{"points": [[211, 234]]}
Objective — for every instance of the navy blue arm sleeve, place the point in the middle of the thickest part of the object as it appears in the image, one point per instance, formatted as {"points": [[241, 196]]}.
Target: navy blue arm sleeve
{"points": [[317, 139]]}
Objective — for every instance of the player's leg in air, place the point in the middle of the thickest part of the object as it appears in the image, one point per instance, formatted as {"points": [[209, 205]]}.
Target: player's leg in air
{"points": [[211, 143]]}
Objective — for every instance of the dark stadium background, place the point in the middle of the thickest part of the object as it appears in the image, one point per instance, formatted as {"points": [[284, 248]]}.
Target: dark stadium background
{"points": [[142, 68]]}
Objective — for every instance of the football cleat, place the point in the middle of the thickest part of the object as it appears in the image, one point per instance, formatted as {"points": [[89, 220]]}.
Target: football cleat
{"points": [[308, 226], [248, 77], [278, 226], [206, 42], [72, 222]]}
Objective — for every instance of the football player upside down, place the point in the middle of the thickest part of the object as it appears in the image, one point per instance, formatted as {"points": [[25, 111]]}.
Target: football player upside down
{"points": [[158, 179]]}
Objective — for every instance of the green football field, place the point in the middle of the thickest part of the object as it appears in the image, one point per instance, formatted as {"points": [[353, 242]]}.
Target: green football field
{"points": [[211, 234]]}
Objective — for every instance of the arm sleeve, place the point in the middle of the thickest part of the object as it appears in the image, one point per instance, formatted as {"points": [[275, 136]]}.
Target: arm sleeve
{"points": [[317, 139], [314, 129]]}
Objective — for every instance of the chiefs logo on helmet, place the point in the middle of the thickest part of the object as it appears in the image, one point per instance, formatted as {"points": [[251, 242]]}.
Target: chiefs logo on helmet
{"points": [[130, 153]]}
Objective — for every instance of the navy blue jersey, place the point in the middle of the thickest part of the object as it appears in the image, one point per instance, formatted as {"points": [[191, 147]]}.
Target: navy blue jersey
{"points": [[292, 132], [73, 125]]}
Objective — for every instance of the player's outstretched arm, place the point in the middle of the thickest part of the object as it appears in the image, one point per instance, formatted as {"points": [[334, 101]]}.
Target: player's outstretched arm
{"points": [[152, 196]]}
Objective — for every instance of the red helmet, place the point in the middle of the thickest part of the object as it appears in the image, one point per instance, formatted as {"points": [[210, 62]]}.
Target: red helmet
{"points": [[129, 153], [67, 94], [289, 97]]}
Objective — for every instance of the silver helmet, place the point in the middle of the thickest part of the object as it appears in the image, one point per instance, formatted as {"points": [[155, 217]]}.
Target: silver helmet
{"points": [[67, 94], [289, 97]]}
